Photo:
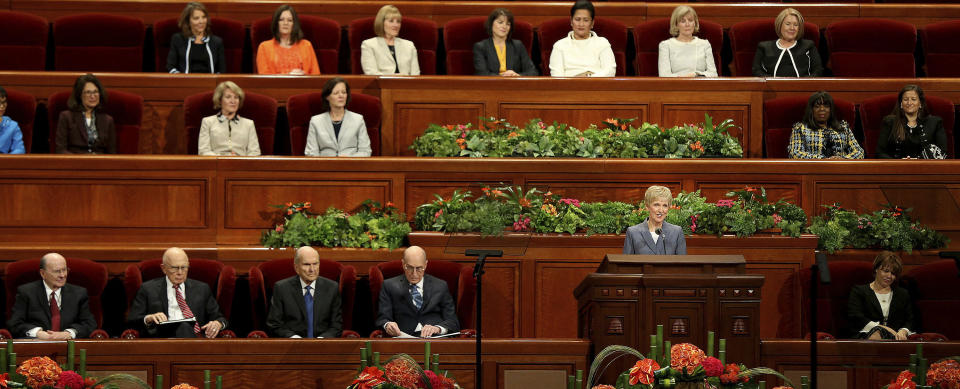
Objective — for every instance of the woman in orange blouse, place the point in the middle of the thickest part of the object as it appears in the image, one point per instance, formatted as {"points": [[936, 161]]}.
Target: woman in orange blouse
{"points": [[288, 52]]}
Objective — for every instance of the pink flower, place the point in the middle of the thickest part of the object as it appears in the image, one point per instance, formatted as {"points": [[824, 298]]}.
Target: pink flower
{"points": [[437, 215], [727, 203], [573, 202], [712, 367], [541, 125], [777, 219]]}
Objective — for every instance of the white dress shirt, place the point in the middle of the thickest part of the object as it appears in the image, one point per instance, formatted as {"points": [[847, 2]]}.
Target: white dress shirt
{"points": [[571, 57]]}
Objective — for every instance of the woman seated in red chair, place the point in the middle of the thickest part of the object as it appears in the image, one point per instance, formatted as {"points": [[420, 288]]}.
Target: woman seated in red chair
{"points": [[226, 133], [500, 54], [685, 55], [288, 52], [337, 132], [582, 53], [880, 309], [11, 139], [822, 134], [387, 53], [791, 55], [84, 128], [910, 131], [195, 50]]}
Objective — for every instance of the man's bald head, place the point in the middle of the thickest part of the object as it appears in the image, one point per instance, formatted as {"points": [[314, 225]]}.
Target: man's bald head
{"points": [[175, 265], [414, 263]]}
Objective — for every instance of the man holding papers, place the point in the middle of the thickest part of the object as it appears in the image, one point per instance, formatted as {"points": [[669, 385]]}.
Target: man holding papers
{"points": [[416, 303], [175, 306]]}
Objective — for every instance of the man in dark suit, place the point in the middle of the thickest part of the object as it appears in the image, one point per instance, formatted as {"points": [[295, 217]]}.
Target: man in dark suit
{"points": [[176, 297], [305, 305], [415, 303], [52, 309]]}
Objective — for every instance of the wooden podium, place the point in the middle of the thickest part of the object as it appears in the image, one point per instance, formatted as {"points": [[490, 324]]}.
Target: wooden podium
{"points": [[624, 300]]}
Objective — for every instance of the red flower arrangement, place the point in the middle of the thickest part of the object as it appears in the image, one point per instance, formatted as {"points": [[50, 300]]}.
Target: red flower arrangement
{"points": [[439, 381], [712, 367], [184, 386], [730, 375], [70, 380], [40, 371], [368, 379], [603, 387], [685, 357], [402, 372], [643, 371], [903, 381], [945, 374]]}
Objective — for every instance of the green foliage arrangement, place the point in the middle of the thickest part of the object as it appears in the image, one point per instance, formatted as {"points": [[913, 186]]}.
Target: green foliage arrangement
{"points": [[369, 226], [614, 138], [889, 228]]}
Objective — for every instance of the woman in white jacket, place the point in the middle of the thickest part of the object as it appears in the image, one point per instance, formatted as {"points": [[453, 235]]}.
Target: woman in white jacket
{"points": [[582, 53], [685, 55], [387, 53]]}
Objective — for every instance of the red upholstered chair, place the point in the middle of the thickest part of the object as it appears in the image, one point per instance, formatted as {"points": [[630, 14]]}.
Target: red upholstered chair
{"points": [[98, 42], [22, 108], [125, 108], [745, 36], [459, 278], [459, 36], [222, 280], [323, 34], [83, 272], [935, 289], [874, 109], [781, 113], [264, 275], [648, 35], [553, 30], [422, 32], [940, 49], [231, 31], [300, 108], [23, 41], [262, 109], [832, 298], [869, 47]]}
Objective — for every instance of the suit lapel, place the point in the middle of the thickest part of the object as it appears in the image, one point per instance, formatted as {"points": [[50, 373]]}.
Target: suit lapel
{"points": [[45, 302], [427, 286], [163, 296], [409, 299], [509, 57], [299, 298], [83, 125], [647, 239], [492, 61], [328, 127], [385, 48]]}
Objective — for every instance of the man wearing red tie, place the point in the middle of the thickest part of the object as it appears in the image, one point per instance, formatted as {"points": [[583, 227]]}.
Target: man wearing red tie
{"points": [[162, 303], [52, 309]]}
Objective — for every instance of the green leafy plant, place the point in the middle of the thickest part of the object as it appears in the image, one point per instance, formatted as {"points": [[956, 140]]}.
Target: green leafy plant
{"points": [[889, 228], [368, 226]]}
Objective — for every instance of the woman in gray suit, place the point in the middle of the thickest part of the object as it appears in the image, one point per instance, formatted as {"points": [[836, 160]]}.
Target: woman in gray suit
{"points": [[654, 235], [387, 53], [337, 132], [226, 133]]}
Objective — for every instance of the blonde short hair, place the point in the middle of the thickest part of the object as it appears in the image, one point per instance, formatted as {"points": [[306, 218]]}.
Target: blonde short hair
{"points": [[386, 12], [218, 93], [657, 192], [678, 14], [783, 16]]}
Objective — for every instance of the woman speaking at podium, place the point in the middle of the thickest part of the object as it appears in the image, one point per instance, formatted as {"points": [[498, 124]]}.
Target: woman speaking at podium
{"points": [[655, 236]]}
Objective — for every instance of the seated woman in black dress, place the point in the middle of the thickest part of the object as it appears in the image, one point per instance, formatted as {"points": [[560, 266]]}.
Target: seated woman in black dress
{"points": [[500, 54], [84, 128], [194, 49], [880, 309], [821, 134], [789, 56], [910, 132]]}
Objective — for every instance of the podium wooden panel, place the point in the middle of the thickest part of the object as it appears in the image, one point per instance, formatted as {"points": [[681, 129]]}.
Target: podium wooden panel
{"points": [[629, 295]]}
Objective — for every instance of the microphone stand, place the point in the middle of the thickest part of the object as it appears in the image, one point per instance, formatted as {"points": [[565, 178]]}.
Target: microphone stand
{"points": [[478, 274], [819, 271]]}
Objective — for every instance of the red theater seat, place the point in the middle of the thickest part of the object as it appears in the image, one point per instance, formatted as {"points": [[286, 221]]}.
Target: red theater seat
{"points": [[83, 272], [323, 34], [262, 109], [745, 36], [22, 108], [231, 31], [832, 298], [264, 275], [300, 108], [934, 288], [23, 41], [874, 109], [422, 32], [459, 278], [940, 48], [869, 47], [553, 30], [125, 108], [781, 113], [648, 35], [460, 35], [98, 43]]}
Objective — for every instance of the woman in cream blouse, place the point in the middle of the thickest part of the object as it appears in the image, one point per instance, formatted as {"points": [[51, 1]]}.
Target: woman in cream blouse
{"points": [[685, 55], [582, 53], [387, 53], [226, 133], [337, 132]]}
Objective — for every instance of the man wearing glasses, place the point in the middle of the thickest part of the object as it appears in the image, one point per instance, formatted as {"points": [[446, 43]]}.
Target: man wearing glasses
{"points": [[50, 308], [416, 303], [175, 306], [305, 305]]}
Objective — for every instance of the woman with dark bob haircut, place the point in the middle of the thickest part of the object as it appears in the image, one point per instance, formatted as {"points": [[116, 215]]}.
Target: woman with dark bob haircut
{"points": [[287, 52], [500, 54], [880, 309], [337, 132], [195, 49], [822, 134], [910, 132], [84, 128]]}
